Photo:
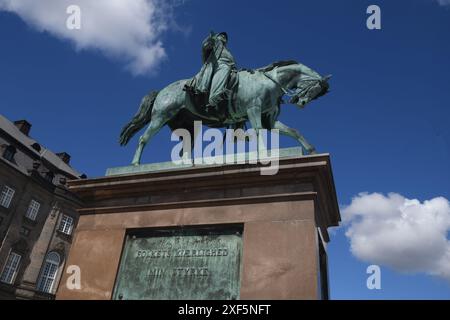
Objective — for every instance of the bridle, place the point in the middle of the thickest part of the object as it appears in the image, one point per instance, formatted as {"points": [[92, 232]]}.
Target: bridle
{"points": [[293, 94]]}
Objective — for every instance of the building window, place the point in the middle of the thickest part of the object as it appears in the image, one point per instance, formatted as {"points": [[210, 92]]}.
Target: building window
{"points": [[24, 231], [48, 274], [33, 209], [10, 270], [6, 196], [49, 176], [9, 153], [66, 224]]}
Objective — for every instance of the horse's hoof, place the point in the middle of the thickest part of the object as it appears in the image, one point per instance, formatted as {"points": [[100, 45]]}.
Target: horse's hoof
{"points": [[312, 151]]}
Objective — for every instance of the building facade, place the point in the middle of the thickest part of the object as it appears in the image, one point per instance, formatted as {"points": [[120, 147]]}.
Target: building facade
{"points": [[37, 214]]}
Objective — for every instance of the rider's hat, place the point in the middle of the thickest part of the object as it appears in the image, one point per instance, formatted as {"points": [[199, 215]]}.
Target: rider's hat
{"points": [[224, 34]]}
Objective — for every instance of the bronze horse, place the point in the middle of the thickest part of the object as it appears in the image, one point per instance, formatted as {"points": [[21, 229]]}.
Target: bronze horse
{"points": [[257, 98]]}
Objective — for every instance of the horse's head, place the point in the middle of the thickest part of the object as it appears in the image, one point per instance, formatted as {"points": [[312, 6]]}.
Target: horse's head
{"points": [[309, 89], [298, 81]]}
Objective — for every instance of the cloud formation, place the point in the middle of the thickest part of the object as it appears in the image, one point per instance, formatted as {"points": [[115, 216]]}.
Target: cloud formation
{"points": [[443, 2], [125, 30], [404, 234]]}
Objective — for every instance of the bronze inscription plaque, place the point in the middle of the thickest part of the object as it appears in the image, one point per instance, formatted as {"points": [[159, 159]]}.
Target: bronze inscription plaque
{"points": [[195, 263]]}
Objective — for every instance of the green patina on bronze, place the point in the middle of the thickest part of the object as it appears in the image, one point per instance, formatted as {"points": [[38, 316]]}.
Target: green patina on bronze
{"points": [[178, 263], [293, 152], [223, 97]]}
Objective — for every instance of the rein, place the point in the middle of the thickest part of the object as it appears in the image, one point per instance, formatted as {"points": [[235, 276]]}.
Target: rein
{"points": [[288, 92]]}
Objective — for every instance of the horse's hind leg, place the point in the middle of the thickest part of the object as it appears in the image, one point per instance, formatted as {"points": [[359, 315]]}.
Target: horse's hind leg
{"points": [[154, 126], [284, 129]]}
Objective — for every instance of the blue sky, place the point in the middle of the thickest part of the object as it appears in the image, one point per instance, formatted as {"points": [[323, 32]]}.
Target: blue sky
{"points": [[385, 121]]}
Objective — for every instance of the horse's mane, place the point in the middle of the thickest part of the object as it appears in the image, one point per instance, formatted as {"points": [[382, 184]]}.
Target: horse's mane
{"points": [[281, 63]]}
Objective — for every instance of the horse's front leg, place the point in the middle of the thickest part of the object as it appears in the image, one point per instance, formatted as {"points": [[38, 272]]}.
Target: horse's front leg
{"points": [[287, 131], [254, 116]]}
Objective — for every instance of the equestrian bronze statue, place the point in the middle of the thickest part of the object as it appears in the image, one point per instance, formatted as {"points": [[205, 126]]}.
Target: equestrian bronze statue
{"points": [[222, 97]]}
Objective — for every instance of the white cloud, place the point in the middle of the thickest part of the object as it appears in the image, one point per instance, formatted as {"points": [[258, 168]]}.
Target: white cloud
{"points": [[444, 2], [406, 235], [128, 30]]}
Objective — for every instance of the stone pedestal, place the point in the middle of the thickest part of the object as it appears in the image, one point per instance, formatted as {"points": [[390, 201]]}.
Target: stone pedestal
{"points": [[282, 218]]}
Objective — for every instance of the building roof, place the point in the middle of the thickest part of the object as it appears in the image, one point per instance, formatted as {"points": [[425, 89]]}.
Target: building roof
{"points": [[44, 153]]}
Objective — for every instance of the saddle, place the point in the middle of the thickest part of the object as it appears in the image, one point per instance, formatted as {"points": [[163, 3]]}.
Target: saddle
{"points": [[227, 106]]}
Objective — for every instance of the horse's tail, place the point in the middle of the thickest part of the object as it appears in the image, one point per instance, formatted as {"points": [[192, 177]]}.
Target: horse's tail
{"points": [[140, 119]]}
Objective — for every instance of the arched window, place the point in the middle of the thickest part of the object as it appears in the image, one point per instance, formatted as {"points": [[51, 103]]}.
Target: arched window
{"points": [[48, 273]]}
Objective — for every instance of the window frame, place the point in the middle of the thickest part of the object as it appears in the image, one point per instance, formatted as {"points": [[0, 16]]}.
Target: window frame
{"points": [[8, 272], [9, 153], [5, 193], [63, 224], [33, 209], [49, 272]]}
